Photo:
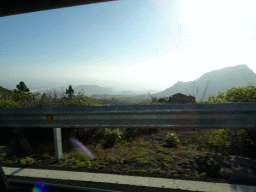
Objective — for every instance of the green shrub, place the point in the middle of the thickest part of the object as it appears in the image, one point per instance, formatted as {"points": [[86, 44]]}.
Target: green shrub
{"points": [[78, 101], [8, 104], [111, 136], [82, 160], [162, 100], [171, 140], [244, 94], [218, 137]]}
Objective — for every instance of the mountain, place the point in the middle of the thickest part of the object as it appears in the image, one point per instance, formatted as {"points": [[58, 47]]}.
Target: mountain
{"points": [[86, 89], [210, 83], [218, 81], [89, 90], [60, 90], [93, 89], [151, 91], [128, 93]]}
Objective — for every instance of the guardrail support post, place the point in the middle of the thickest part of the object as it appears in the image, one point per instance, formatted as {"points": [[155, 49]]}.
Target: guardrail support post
{"points": [[57, 143]]}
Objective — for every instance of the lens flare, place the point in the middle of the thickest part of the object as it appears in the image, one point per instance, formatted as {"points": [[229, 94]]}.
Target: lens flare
{"points": [[40, 186], [82, 147]]}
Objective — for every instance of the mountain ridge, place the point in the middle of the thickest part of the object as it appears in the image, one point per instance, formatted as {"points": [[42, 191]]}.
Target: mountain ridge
{"points": [[219, 80], [210, 83]]}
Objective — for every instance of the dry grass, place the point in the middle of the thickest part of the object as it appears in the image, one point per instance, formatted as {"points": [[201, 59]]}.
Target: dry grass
{"points": [[140, 154]]}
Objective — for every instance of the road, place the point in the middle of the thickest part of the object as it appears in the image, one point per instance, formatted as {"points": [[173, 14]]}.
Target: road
{"points": [[55, 179]]}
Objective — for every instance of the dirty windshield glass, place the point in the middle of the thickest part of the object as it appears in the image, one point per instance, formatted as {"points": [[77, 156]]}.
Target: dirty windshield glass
{"points": [[148, 88]]}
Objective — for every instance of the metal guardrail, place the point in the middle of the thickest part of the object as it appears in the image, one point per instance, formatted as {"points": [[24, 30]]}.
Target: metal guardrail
{"points": [[216, 116]]}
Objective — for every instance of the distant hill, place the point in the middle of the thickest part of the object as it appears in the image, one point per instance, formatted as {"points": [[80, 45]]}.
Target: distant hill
{"points": [[128, 93], [210, 83], [89, 90], [218, 81], [86, 89], [93, 89], [60, 90], [151, 92]]}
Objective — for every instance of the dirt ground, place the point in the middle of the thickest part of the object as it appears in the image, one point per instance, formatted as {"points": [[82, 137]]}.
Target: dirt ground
{"points": [[219, 167]]}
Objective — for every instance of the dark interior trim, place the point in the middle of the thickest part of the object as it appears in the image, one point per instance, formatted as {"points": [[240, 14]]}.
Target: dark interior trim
{"points": [[12, 7]]}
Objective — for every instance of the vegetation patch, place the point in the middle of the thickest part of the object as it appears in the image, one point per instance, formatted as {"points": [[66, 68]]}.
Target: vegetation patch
{"points": [[163, 151]]}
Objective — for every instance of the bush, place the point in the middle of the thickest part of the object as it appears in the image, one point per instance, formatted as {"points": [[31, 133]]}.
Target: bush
{"points": [[78, 101], [171, 140], [8, 104], [111, 136], [162, 100], [217, 137], [244, 94], [82, 160]]}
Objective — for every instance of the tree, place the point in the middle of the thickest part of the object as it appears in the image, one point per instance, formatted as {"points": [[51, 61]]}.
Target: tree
{"points": [[70, 92], [22, 87], [44, 97], [55, 97], [20, 94]]}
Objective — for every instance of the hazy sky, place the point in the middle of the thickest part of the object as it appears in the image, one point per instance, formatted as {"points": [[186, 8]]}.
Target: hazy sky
{"points": [[128, 44]]}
